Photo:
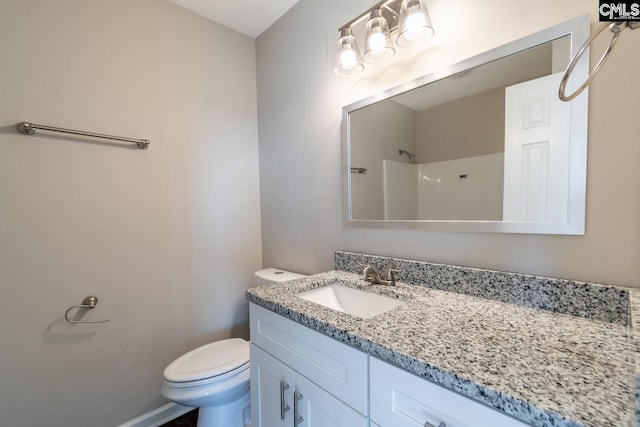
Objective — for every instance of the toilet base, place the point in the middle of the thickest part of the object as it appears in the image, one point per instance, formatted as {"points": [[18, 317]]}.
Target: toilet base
{"points": [[235, 414]]}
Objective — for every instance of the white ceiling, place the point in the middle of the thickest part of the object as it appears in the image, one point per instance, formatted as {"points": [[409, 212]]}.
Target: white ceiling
{"points": [[517, 68], [250, 17]]}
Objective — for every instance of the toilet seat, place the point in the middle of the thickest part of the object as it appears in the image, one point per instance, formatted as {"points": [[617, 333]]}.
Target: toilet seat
{"points": [[209, 363]]}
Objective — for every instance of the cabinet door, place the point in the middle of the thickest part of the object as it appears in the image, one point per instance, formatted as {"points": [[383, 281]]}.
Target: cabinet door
{"points": [[330, 364], [401, 399], [320, 409], [267, 373]]}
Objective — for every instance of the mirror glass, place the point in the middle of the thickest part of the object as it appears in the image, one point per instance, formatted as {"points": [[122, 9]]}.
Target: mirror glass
{"points": [[485, 145]]}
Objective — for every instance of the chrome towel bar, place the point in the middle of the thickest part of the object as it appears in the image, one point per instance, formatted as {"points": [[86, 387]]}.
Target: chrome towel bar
{"points": [[27, 128], [89, 302]]}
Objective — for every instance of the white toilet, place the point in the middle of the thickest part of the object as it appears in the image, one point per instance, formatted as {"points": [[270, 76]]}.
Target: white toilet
{"points": [[215, 377]]}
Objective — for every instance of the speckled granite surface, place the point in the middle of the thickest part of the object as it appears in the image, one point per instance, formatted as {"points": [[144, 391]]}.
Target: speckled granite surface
{"points": [[634, 303], [589, 300], [542, 367]]}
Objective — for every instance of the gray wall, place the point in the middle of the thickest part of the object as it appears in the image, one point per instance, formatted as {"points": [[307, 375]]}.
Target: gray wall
{"points": [[300, 147], [455, 130], [378, 132], [167, 238]]}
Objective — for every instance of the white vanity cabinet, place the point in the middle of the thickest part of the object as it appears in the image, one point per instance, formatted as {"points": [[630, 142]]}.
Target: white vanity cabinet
{"points": [[299, 372], [279, 395], [401, 399], [329, 384], [271, 393]]}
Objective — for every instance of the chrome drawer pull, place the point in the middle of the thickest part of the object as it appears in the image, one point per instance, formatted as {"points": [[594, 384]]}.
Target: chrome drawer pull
{"points": [[428, 424], [283, 406], [296, 418]]}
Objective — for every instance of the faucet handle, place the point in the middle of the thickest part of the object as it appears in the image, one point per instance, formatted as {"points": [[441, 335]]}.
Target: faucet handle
{"points": [[364, 266], [367, 268], [391, 276], [371, 275]]}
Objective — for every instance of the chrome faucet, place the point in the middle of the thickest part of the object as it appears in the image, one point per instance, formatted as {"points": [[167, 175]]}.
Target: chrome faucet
{"points": [[371, 275]]}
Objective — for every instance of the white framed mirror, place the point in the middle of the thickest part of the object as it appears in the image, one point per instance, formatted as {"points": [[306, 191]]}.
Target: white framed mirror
{"points": [[484, 145]]}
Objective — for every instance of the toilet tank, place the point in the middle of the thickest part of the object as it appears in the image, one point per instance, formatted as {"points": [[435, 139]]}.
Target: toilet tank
{"points": [[274, 275]]}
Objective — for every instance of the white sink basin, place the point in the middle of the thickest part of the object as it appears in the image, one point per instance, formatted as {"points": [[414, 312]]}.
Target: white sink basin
{"points": [[351, 301]]}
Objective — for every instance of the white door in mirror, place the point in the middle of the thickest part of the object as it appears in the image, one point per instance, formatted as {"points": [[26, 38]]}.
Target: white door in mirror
{"points": [[536, 151]]}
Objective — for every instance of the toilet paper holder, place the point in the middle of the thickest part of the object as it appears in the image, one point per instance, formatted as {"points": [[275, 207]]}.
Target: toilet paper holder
{"points": [[89, 302]]}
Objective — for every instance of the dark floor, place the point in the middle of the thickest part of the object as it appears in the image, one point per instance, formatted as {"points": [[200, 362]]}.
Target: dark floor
{"points": [[190, 419]]}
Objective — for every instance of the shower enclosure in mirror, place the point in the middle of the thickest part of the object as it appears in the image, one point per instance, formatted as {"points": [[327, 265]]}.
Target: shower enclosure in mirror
{"points": [[484, 145]]}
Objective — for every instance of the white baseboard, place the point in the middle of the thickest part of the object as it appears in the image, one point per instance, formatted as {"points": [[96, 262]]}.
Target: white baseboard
{"points": [[159, 416]]}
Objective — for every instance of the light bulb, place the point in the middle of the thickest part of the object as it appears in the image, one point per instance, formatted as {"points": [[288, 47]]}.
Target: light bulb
{"points": [[414, 23], [348, 62], [377, 42], [348, 58]]}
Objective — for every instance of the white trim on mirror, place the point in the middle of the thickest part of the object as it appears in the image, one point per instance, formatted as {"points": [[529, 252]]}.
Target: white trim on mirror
{"points": [[578, 30]]}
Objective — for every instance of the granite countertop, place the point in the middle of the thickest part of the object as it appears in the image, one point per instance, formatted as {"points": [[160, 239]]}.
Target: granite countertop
{"points": [[542, 367]]}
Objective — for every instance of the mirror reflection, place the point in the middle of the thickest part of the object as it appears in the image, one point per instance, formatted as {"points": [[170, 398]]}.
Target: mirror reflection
{"points": [[487, 144]]}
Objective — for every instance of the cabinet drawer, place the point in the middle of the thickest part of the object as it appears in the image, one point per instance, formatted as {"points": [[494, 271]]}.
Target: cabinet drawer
{"points": [[401, 399], [334, 366]]}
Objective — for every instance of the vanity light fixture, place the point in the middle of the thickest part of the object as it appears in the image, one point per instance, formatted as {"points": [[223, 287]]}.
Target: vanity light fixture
{"points": [[415, 23], [377, 42], [408, 18], [348, 58]]}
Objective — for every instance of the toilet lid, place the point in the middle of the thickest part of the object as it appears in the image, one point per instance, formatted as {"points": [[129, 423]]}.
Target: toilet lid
{"points": [[209, 360]]}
